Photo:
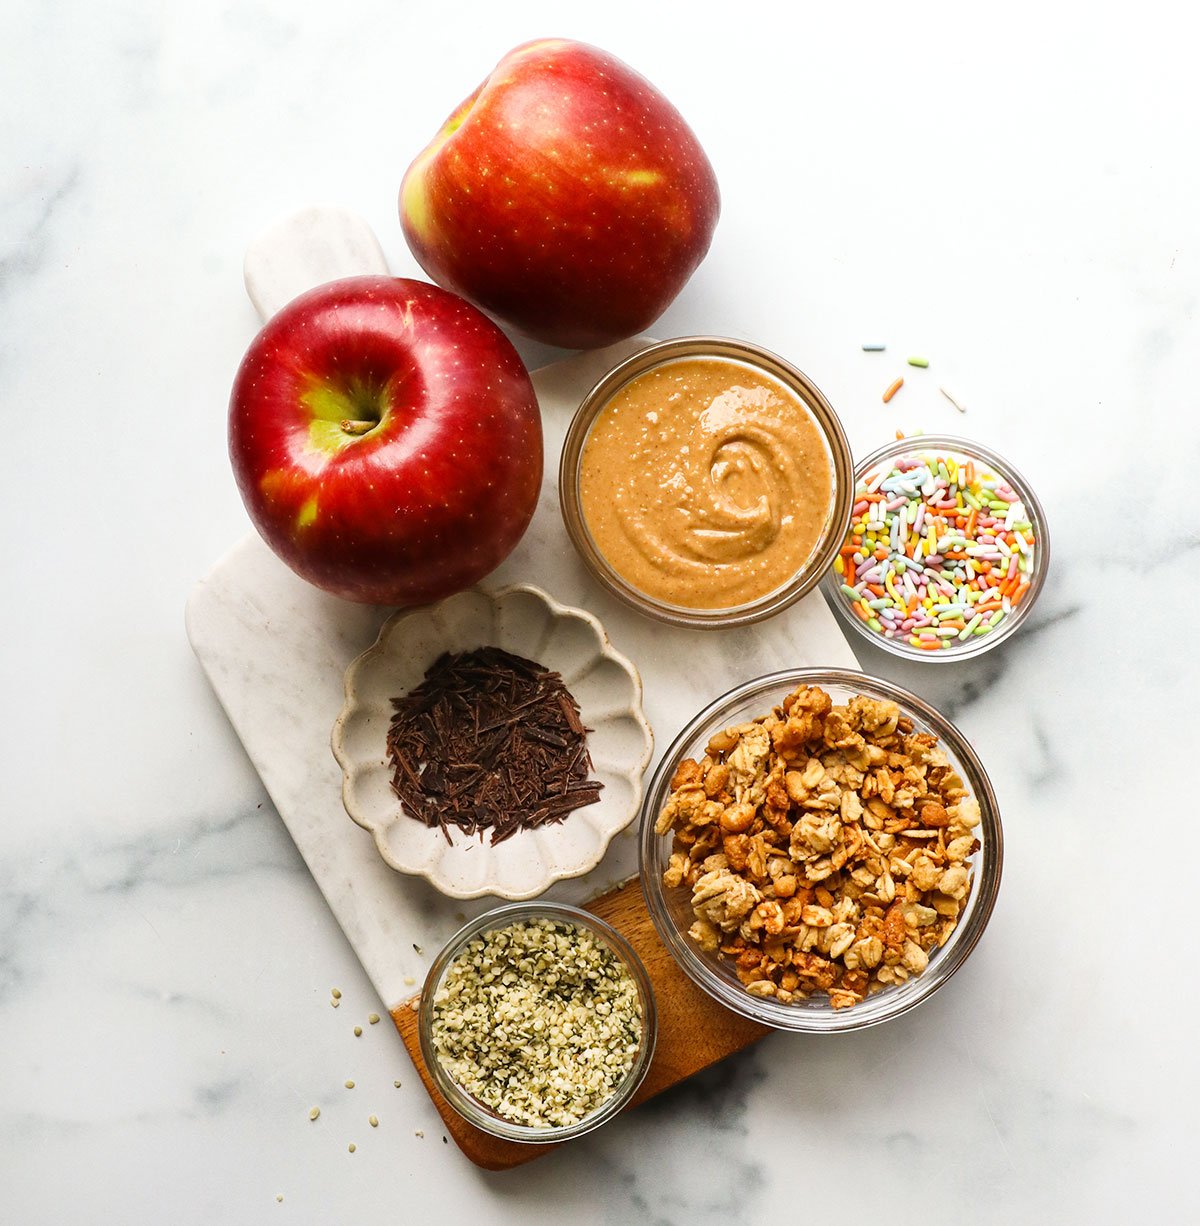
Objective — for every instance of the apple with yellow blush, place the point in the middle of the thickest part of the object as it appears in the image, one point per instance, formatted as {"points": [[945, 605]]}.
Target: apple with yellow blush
{"points": [[386, 440]]}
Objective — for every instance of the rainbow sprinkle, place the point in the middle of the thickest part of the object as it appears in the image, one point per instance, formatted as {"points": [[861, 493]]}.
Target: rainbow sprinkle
{"points": [[939, 550]]}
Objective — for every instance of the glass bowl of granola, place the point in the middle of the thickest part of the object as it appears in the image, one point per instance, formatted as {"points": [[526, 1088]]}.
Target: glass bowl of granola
{"points": [[820, 850], [537, 1022]]}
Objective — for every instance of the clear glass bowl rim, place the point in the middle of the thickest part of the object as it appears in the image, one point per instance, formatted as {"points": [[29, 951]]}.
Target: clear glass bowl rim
{"points": [[840, 456], [893, 1001], [471, 1109], [1037, 516]]}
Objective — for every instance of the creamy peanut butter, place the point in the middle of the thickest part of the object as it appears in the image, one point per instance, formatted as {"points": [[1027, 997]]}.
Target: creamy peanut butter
{"points": [[705, 483]]}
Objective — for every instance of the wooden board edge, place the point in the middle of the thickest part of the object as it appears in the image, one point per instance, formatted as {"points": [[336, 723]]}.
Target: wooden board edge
{"points": [[625, 908]]}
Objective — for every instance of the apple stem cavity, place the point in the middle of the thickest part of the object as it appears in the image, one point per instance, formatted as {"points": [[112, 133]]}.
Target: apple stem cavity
{"points": [[353, 426]]}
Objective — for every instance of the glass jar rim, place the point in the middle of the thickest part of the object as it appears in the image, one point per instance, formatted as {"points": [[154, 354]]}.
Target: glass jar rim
{"points": [[841, 460], [470, 1108], [1037, 516]]}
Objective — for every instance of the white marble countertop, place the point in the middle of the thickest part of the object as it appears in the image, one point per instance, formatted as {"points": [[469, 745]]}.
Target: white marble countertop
{"points": [[1015, 197]]}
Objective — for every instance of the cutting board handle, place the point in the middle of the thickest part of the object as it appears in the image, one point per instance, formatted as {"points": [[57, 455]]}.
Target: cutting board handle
{"points": [[315, 245]]}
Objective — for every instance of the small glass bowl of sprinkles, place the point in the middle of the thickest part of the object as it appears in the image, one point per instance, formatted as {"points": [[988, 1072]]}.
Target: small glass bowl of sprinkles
{"points": [[946, 551]]}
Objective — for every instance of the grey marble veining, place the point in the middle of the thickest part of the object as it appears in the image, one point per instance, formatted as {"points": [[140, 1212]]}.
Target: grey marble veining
{"points": [[1012, 195]]}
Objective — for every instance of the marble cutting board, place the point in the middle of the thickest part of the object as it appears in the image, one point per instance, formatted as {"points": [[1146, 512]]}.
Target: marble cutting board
{"points": [[275, 650]]}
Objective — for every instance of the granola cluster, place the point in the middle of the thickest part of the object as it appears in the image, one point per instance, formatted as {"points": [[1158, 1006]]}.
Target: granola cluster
{"points": [[826, 848]]}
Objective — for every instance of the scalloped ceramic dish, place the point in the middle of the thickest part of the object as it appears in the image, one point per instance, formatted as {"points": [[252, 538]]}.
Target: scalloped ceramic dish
{"points": [[527, 622]]}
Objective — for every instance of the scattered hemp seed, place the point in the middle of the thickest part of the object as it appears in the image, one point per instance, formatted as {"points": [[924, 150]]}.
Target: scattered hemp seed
{"points": [[336, 993], [418, 948], [409, 980], [312, 1115], [358, 1032], [396, 1084], [279, 1197], [335, 1002], [349, 1085], [373, 1120], [352, 1147], [372, 1018], [444, 1141], [420, 1132]]}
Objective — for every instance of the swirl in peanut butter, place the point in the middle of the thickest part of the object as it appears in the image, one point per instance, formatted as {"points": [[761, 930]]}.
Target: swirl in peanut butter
{"points": [[705, 483]]}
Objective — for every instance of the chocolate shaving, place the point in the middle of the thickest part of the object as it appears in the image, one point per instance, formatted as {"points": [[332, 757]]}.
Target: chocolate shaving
{"points": [[489, 741]]}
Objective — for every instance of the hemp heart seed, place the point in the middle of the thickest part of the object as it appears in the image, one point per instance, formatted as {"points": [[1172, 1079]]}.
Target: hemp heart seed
{"points": [[540, 1021]]}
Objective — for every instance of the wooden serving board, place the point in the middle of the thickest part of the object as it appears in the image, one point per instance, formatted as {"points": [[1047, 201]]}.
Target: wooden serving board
{"points": [[694, 1031], [276, 650]]}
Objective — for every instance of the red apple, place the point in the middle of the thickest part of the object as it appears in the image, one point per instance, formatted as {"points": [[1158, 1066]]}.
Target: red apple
{"points": [[566, 196], [386, 440]]}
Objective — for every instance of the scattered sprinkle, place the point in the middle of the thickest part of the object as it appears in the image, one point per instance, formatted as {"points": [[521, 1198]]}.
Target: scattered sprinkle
{"points": [[336, 993], [352, 1147], [940, 550], [358, 1032], [921, 362], [874, 348], [444, 1141], [893, 390], [954, 402], [373, 1120], [372, 1018], [312, 1115], [349, 1085]]}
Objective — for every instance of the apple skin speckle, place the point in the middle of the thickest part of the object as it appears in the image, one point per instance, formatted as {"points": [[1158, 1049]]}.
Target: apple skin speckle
{"points": [[437, 491]]}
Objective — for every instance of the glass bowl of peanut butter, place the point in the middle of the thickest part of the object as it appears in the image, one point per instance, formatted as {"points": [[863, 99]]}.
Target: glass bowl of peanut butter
{"points": [[706, 482]]}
